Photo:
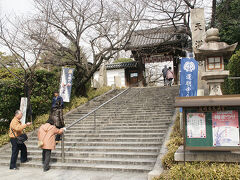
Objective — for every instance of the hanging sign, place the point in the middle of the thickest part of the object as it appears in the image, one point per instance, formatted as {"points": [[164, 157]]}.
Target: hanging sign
{"points": [[66, 84], [188, 77]]}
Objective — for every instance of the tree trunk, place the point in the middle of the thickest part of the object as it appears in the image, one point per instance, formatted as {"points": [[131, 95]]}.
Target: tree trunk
{"points": [[79, 85], [213, 13], [27, 93]]}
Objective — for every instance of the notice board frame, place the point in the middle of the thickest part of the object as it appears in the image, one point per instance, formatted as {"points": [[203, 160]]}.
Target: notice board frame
{"points": [[207, 104]]}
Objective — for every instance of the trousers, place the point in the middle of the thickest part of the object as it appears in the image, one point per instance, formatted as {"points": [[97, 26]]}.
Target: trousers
{"points": [[46, 156], [15, 149]]}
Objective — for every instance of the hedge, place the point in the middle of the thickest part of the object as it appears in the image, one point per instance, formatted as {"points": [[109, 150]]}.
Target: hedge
{"points": [[232, 86]]}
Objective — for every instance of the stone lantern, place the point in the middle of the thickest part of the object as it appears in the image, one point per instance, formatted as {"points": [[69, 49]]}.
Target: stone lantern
{"points": [[213, 52]]}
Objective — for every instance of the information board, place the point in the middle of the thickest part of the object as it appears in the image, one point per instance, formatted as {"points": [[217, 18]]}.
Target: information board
{"points": [[212, 128]]}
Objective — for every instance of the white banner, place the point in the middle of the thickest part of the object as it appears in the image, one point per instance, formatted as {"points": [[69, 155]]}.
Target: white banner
{"points": [[66, 84]]}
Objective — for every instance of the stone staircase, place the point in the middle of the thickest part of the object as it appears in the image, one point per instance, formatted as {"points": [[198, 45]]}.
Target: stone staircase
{"points": [[127, 135]]}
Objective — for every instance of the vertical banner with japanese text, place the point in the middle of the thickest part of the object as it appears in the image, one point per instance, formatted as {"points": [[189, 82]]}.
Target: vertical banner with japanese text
{"points": [[188, 77], [66, 84]]}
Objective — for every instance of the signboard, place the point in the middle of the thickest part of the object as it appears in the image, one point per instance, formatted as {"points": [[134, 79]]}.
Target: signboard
{"points": [[188, 77], [196, 125], [23, 109], [66, 84], [153, 59], [225, 128]]}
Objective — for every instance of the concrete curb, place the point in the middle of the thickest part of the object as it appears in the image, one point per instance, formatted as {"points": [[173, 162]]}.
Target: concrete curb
{"points": [[158, 168]]}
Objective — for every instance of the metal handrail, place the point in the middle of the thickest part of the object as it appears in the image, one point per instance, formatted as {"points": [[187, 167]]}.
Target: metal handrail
{"points": [[86, 115]]}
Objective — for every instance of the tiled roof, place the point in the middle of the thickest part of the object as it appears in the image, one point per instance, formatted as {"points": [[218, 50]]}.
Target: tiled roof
{"points": [[156, 36], [123, 65]]}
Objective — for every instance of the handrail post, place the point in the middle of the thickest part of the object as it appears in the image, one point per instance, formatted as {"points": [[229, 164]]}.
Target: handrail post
{"points": [[62, 148]]}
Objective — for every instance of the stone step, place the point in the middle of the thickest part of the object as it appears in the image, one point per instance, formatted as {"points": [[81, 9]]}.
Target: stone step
{"points": [[128, 136], [104, 135], [85, 166], [110, 139], [109, 154], [106, 144], [113, 120], [103, 148], [119, 124], [113, 127], [96, 160], [75, 131]]}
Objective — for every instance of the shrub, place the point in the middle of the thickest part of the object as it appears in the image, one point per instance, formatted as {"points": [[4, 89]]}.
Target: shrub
{"points": [[175, 141], [232, 86], [122, 60], [202, 170]]}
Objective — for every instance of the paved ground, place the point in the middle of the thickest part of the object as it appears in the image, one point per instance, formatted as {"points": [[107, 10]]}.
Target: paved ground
{"points": [[26, 173]]}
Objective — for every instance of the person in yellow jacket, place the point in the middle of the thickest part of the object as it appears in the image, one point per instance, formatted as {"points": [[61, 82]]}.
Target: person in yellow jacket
{"points": [[17, 127]]}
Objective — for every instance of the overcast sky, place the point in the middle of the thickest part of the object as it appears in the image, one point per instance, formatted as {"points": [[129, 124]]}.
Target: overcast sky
{"points": [[19, 7]]}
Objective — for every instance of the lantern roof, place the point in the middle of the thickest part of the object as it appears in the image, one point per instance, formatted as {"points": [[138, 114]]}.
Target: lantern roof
{"points": [[213, 47]]}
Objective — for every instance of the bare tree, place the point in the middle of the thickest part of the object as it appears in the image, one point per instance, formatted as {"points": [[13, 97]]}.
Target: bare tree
{"points": [[15, 37], [171, 13], [91, 24]]}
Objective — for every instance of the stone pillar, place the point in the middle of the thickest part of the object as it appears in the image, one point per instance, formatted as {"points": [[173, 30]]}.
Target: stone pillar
{"points": [[198, 35], [102, 79], [117, 81]]}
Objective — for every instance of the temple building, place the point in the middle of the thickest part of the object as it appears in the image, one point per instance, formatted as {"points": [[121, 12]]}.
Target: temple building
{"points": [[151, 49]]}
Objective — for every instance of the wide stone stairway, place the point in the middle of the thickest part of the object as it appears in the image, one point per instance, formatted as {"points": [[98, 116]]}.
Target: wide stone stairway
{"points": [[126, 135]]}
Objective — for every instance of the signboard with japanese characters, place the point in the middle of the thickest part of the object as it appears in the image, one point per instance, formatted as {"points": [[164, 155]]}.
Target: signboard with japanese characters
{"points": [[188, 77], [157, 58], [66, 84], [196, 125], [225, 127], [197, 27]]}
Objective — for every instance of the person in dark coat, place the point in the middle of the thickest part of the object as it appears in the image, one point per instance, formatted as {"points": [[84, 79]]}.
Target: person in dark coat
{"points": [[164, 71], [57, 113]]}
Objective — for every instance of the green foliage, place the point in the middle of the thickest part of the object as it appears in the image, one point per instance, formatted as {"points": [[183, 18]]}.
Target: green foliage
{"points": [[175, 141], [8, 60], [10, 95], [44, 85], [11, 91], [121, 60], [202, 170], [228, 21], [232, 86]]}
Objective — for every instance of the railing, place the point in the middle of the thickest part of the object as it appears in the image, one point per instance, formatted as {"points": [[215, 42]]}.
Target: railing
{"points": [[85, 116]]}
